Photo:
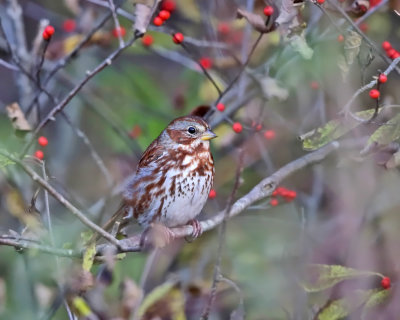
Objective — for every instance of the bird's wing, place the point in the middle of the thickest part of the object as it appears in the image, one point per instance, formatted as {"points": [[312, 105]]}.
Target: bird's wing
{"points": [[154, 152]]}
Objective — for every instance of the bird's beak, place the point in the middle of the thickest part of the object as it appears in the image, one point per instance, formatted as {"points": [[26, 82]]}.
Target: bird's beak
{"points": [[208, 135]]}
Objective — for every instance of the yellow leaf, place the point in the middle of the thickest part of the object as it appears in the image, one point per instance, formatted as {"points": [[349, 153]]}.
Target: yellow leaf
{"points": [[81, 307], [88, 258]]}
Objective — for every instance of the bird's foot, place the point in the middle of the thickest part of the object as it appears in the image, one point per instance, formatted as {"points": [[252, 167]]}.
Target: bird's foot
{"points": [[197, 230], [156, 236]]}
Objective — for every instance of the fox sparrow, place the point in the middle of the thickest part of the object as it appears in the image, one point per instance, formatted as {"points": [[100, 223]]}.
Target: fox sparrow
{"points": [[173, 177]]}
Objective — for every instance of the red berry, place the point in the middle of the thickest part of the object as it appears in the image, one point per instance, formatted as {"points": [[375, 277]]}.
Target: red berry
{"points": [[395, 55], [340, 38], [269, 134], [147, 40], [386, 45], [205, 62], [268, 11], [382, 78], [320, 1], [43, 141], [119, 32], [223, 28], [212, 194], [390, 52], [314, 85], [135, 132], [258, 127], [374, 94], [364, 26], [385, 283], [178, 38], [158, 21], [164, 14], [168, 5], [237, 127], [48, 32], [274, 193], [69, 25], [273, 202], [39, 154], [220, 107], [290, 195]]}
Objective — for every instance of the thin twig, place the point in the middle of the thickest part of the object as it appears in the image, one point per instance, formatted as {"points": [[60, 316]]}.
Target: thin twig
{"points": [[59, 107], [75, 211], [221, 239], [116, 23]]}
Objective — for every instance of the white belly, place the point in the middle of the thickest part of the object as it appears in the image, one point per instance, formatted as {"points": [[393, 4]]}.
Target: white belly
{"points": [[190, 196]]}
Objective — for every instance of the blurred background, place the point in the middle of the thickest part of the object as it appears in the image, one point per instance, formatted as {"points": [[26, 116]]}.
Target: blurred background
{"points": [[300, 75]]}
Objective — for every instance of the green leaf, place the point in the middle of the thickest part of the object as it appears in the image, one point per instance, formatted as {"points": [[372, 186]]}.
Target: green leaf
{"points": [[4, 161], [341, 308], [88, 257], [299, 44], [332, 130], [386, 133], [376, 299], [165, 301], [321, 276]]}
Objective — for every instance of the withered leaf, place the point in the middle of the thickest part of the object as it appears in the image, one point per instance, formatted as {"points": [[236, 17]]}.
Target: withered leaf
{"points": [[255, 20], [17, 117]]}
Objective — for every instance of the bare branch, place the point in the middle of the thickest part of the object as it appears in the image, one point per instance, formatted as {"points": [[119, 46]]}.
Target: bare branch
{"points": [[75, 211]]}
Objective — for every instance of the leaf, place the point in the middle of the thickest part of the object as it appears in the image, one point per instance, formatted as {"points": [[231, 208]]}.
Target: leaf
{"points": [[17, 118], [81, 307], [394, 161], [4, 161], [332, 130], [165, 302], [341, 308], [255, 20], [352, 45], [376, 299], [273, 89], [322, 276], [143, 15], [287, 12], [299, 44], [386, 133], [88, 257]]}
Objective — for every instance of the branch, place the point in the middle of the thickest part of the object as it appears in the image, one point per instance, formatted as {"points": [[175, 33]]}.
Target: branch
{"points": [[89, 75], [261, 190], [75, 211]]}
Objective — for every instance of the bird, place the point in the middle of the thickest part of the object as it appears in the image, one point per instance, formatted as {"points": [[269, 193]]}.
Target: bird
{"points": [[173, 178]]}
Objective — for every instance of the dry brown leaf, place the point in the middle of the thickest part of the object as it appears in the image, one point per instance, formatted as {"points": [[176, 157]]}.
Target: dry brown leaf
{"points": [[17, 117], [73, 6], [255, 20], [131, 296], [143, 13]]}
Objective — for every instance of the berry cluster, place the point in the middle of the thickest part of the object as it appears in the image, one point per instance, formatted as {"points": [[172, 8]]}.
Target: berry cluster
{"points": [[167, 7], [390, 51], [287, 194], [48, 32], [375, 93], [42, 141]]}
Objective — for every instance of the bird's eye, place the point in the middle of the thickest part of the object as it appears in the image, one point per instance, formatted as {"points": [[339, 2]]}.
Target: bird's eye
{"points": [[191, 130]]}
